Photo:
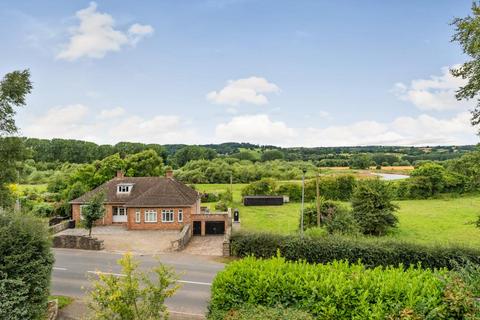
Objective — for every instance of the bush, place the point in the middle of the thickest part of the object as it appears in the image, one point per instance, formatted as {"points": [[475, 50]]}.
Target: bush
{"points": [[315, 232], [209, 197], [371, 252], [43, 209], [373, 208], [340, 290], [221, 206], [334, 216], [25, 267], [338, 188], [250, 312], [292, 190], [260, 188], [226, 196]]}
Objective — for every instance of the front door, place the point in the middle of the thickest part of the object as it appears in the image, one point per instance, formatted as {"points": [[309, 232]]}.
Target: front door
{"points": [[197, 228], [119, 214]]}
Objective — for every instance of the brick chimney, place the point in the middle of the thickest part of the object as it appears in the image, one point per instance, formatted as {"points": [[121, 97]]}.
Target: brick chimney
{"points": [[169, 174], [120, 174]]}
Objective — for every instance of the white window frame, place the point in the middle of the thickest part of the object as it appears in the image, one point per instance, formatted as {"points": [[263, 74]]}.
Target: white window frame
{"points": [[124, 188], [168, 215], [180, 215], [147, 216], [138, 216]]}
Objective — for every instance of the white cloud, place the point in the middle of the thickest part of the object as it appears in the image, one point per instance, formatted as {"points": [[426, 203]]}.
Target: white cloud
{"points": [[96, 35], [255, 129], [248, 90], [111, 113], [109, 126], [436, 93], [421, 130]]}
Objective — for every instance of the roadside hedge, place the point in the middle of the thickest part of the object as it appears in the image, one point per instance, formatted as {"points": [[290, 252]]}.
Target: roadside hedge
{"points": [[371, 252], [249, 312], [25, 267], [340, 290]]}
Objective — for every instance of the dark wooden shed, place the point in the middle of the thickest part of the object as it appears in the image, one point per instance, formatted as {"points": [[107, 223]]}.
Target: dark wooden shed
{"points": [[263, 200]]}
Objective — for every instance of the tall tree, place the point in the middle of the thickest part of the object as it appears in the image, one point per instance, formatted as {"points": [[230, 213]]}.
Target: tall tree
{"points": [[13, 89], [467, 34]]}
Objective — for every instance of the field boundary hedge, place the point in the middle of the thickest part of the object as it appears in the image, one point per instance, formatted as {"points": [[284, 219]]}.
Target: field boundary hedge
{"points": [[370, 252]]}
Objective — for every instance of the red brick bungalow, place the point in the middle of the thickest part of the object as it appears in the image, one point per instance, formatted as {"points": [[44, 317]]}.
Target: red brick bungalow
{"points": [[152, 203]]}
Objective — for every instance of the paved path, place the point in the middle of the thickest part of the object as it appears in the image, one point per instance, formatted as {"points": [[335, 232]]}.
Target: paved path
{"points": [[73, 268]]}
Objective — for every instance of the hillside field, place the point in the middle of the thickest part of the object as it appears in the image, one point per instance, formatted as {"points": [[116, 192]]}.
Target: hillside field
{"points": [[444, 220]]}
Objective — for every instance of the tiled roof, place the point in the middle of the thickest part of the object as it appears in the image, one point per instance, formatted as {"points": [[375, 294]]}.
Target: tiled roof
{"points": [[146, 191]]}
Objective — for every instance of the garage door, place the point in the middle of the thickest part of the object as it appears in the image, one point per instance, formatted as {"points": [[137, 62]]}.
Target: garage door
{"points": [[214, 227]]}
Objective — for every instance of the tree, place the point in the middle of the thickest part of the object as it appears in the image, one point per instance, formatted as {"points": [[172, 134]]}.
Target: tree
{"points": [[13, 89], [373, 208], [93, 211], [467, 34], [270, 155], [134, 296], [25, 267], [361, 161], [188, 153], [144, 164]]}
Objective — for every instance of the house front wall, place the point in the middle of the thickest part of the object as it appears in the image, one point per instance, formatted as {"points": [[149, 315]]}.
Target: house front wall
{"points": [[106, 220], [142, 224]]}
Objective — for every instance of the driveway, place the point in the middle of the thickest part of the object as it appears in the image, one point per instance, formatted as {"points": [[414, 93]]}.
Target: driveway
{"points": [[205, 245], [119, 239]]}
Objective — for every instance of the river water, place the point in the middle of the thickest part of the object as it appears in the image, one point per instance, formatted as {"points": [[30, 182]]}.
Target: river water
{"points": [[391, 176]]}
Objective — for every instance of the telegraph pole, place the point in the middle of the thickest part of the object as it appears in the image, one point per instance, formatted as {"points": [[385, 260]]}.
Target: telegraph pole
{"points": [[318, 199], [303, 199]]}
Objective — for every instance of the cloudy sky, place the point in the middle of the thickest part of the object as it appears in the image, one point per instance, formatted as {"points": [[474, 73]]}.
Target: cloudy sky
{"points": [[289, 73]]}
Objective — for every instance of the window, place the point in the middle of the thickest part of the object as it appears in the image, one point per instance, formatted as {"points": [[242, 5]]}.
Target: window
{"points": [[150, 216], [137, 215], [167, 215], [124, 188], [180, 215]]}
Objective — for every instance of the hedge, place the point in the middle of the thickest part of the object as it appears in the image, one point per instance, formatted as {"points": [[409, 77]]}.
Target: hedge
{"points": [[371, 252], [249, 312], [25, 267], [339, 290]]}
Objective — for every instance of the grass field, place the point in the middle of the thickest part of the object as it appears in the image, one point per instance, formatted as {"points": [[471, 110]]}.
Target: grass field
{"points": [[442, 221]]}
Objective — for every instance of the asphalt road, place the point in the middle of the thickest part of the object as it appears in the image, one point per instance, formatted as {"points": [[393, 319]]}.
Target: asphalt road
{"points": [[74, 268]]}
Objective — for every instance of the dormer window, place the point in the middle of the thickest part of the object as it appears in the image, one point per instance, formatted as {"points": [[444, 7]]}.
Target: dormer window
{"points": [[124, 188]]}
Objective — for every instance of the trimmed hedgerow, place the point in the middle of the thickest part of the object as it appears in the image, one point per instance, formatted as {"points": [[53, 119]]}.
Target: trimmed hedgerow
{"points": [[371, 252], [249, 312], [340, 290]]}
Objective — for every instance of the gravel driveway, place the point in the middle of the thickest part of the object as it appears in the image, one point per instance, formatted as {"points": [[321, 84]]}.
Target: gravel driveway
{"points": [[119, 239], [206, 245]]}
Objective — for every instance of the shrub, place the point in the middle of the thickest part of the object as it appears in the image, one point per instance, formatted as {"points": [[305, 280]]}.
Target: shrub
{"points": [[340, 290], [226, 196], [249, 312], [136, 296], [43, 209], [371, 252], [292, 190], [221, 206], [25, 267], [209, 197], [338, 188], [334, 216], [373, 208], [315, 232], [260, 188]]}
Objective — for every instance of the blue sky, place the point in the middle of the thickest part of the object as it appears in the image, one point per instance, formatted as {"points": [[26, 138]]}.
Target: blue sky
{"points": [[290, 73]]}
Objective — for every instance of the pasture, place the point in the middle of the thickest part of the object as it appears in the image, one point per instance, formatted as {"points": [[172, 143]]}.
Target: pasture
{"points": [[444, 220]]}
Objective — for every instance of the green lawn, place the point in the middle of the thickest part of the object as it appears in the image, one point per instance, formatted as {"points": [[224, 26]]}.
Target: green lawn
{"points": [[426, 221]]}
